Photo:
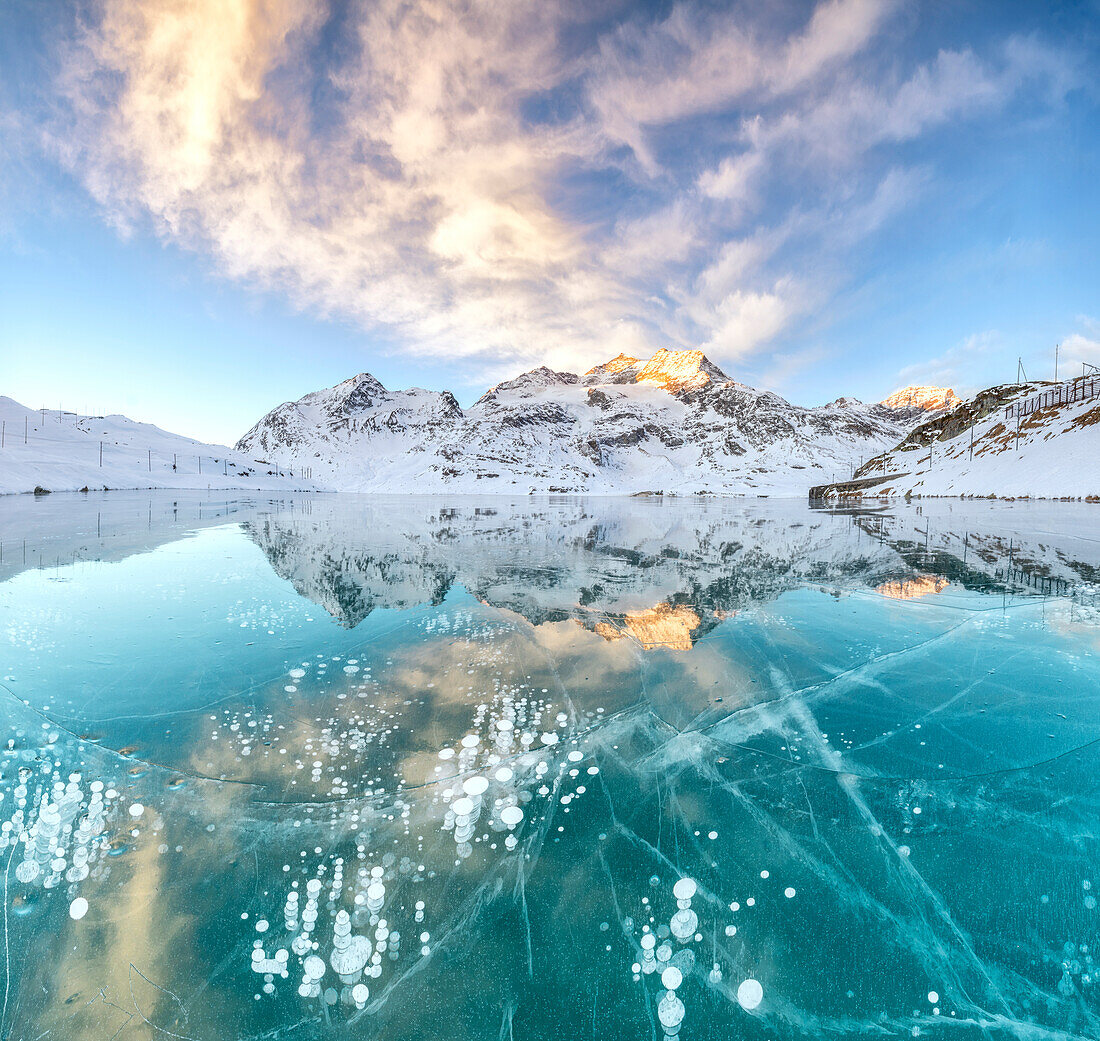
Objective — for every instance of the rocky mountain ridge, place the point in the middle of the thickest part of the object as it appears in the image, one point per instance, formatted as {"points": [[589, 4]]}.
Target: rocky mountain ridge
{"points": [[672, 424]]}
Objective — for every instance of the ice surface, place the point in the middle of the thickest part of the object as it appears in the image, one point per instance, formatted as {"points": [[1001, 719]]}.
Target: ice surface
{"points": [[310, 768]]}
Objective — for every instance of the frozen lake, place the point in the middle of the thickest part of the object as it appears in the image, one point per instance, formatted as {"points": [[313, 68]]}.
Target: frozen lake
{"points": [[342, 767]]}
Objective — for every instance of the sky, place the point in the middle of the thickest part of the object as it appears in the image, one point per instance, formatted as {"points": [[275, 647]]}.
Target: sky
{"points": [[211, 207]]}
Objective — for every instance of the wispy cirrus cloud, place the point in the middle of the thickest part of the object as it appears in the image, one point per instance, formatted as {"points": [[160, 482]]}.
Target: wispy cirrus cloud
{"points": [[522, 182]]}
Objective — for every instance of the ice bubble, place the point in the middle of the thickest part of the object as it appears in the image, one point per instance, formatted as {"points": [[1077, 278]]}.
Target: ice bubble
{"points": [[504, 774], [670, 1012], [671, 978], [789, 892], [352, 959], [463, 807], [684, 889], [576, 756], [933, 998], [475, 786], [511, 816], [78, 909], [447, 753], [359, 994], [297, 674], [684, 923], [313, 967], [749, 995], [136, 809]]}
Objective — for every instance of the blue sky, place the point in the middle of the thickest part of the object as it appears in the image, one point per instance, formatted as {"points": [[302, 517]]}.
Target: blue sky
{"points": [[207, 209]]}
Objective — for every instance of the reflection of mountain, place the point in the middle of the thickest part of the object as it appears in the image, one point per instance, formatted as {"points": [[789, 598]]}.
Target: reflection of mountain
{"points": [[665, 625], [1035, 546], [913, 588], [662, 574]]}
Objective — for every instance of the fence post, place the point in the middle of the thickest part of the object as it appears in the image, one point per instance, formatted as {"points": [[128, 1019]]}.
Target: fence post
{"points": [[149, 458], [3, 432], [100, 453], [200, 463], [25, 424]]}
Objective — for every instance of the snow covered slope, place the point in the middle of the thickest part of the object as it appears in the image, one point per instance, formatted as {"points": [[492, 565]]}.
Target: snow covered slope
{"points": [[674, 424], [974, 449], [59, 451]]}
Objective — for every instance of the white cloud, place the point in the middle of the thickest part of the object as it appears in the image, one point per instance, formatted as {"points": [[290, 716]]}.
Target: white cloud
{"points": [[1077, 348], [956, 367], [421, 197]]}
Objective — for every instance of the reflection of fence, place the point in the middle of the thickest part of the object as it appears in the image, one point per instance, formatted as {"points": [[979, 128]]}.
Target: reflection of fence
{"points": [[1080, 389], [100, 452], [1043, 583]]}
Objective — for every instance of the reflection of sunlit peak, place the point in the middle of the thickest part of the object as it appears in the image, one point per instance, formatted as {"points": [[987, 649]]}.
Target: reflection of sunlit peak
{"points": [[913, 588], [660, 626]]}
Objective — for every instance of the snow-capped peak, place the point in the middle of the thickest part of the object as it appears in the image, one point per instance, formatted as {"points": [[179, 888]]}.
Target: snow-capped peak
{"points": [[928, 399], [535, 379], [680, 370], [613, 368]]}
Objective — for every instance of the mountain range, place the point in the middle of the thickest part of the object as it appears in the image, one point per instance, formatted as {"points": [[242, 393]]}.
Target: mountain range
{"points": [[671, 424]]}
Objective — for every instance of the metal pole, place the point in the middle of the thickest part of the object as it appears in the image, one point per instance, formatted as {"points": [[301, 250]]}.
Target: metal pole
{"points": [[100, 453], [26, 420], [149, 458]]}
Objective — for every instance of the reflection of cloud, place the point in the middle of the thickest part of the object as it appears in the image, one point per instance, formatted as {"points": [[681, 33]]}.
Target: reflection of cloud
{"points": [[443, 171]]}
